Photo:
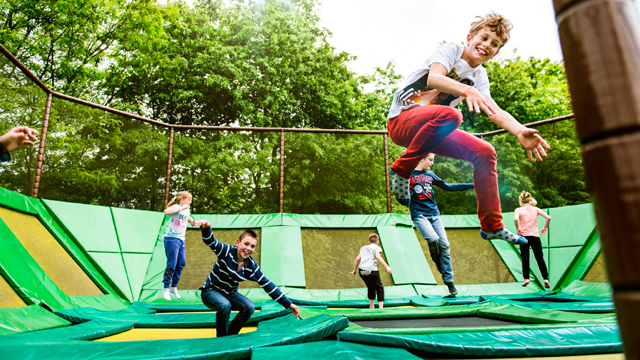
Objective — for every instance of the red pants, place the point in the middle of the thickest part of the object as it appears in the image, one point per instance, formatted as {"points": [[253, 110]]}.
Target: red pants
{"points": [[434, 128]]}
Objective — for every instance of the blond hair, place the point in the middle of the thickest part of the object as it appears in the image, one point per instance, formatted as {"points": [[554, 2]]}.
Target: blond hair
{"points": [[181, 195], [526, 198], [373, 238], [496, 22]]}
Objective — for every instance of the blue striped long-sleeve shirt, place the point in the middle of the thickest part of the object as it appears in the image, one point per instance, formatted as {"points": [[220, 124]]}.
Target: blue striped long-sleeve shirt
{"points": [[225, 276]]}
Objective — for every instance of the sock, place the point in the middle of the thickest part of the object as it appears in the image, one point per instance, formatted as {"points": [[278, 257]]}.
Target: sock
{"points": [[504, 234], [452, 288], [400, 188], [165, 294], [174, 290]]}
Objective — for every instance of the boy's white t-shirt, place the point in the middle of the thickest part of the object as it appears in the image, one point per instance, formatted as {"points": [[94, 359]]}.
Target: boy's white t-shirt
{"points": [[368, 257], [178, 223], [415, 92]]}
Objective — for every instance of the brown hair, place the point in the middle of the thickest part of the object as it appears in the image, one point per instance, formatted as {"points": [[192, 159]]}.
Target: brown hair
{"points": [[181, 195], [526, 198], [496, 22], [373, 238], [248, 232]]}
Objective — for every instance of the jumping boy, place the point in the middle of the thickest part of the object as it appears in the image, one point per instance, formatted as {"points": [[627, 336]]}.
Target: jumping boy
{"points": [[368, 271], [424, 119], [426, 216], [235, 264]]}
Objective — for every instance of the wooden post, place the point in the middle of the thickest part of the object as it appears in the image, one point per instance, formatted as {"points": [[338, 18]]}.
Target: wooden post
{"points": [[43, 143], [281, 171], [166, 189], [386, 171], [601, 46]]}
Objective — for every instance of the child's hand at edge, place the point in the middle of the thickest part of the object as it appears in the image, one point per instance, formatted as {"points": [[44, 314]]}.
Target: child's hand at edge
{"points": [[544, 231], [353, 273], [477, 102], [389, 270], [294, 310], [193, 222], [203, 224]]}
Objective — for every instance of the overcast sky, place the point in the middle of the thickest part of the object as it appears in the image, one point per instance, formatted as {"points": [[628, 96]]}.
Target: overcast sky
{"points": [[407, 31]]}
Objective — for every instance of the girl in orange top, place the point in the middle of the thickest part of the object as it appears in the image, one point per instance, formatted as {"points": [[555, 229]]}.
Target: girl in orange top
{"points": [[527, 217]]}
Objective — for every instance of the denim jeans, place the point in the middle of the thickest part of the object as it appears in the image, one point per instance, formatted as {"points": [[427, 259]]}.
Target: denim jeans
{"points": [[223, 304], [176, 251], [432, 230]]}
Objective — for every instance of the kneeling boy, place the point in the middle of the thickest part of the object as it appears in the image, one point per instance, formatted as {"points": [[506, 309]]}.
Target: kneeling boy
{"points": [[235, 264]]}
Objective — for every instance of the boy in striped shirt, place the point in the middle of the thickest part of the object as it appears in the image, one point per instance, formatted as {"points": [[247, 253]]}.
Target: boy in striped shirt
{"points": [[235, 264]]}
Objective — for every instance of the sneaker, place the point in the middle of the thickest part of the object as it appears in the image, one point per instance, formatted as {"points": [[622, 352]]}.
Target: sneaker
{"points": [[174, 291], [165, 294], [400, 188], [546, 284], [526, 282], [504, 234], [452, 288]]}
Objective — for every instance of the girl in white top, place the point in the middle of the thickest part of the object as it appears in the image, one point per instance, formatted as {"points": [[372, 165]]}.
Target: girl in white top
{"points": [[175, 242]]}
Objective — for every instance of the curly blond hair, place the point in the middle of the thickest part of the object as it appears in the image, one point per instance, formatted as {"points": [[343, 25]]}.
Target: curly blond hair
{"points": [[496, 22], [526, 198]]}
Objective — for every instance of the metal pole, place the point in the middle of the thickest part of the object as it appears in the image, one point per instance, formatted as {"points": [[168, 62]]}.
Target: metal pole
{"points": [[601, 41], [386, 171], [282, 171], [166, 189], [43, 142]]}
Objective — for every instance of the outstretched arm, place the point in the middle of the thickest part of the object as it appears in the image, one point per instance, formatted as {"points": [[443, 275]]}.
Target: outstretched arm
{"points": [[529, 138], [18, 136], [450, 187], [438, 80], [381, 260], [175, 209], [355, 266]]}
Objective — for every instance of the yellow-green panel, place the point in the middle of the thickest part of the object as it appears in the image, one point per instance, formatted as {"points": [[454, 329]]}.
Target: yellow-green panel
{"points": [[598, 271], [469, 252], [329, 256], [49, 254], [8, 297]]}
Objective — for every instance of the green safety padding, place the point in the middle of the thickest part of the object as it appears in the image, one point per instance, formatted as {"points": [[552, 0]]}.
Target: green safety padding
{"points": [[70, 245], [28, 318], [513, 343], [91, 225], [331, 350], [398, 313], [571, 225], [581, 307], [137, 229], [561, 260], [405, 256], [318, 295], [158, 263], [345, 221], [582, 264], [281, 257], [583, 288], [108, 302], [363, 303], [89, 330], [111, 264], [145, 318], [536, 316], [16, 201], [287, 331], [460, 221], [480, 289], [239, 221], [136, 266], [19, 269], [511, 258]]}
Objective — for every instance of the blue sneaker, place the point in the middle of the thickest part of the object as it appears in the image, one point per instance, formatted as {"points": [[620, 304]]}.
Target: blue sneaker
{"points": [[400, 188], [504, 234]]}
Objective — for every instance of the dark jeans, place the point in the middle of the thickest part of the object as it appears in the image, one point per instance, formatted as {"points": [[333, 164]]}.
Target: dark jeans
{"points": [[536, 246], [223, 304], [176, 251], [374, 285]]}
